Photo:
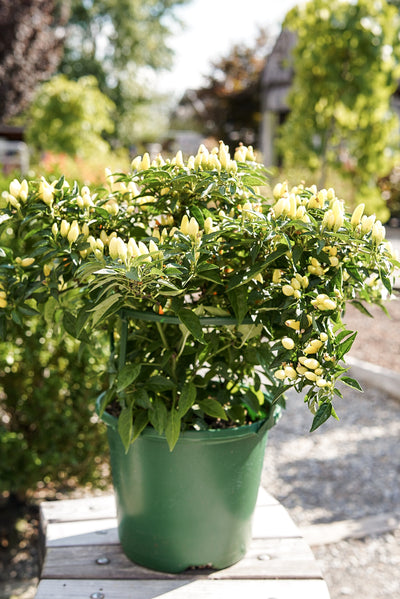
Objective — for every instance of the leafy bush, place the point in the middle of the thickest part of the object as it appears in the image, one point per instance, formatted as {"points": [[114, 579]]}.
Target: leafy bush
{"points": [[47, 432], [47, 386], [202, 280], [71, 117]]}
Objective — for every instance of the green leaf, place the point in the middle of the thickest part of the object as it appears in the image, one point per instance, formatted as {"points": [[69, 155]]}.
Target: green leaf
{"points": [[81, 320], [106, 398], [252, 400], [347, 380], [125, 426], [100, 310], [141, 399], [238, 299], [173, 428], [158, 415], [187, 398], [279, 393], [192, 323], [297, 253], [342, 335], [139, 424], [168, 284], [171, 271], [211, 275], [198, 215], [345, 346], [16, 317], [160, 383], [213, 408], [323, 413], [338, 393], [27, 310], [361, 308], [385, 280], [127, 375], [60, 182], [69, 323], [334, 414], [244, 277]]}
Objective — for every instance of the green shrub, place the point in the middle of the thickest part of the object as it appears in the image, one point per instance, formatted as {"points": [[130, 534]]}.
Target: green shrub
{"points": [[47, 432]]}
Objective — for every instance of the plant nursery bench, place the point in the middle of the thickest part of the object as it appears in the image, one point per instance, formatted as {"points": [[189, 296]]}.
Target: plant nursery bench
{"points": [[82, 559]]}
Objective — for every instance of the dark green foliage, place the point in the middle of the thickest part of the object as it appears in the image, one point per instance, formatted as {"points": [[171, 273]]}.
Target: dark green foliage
{"points": [[47, 393]]}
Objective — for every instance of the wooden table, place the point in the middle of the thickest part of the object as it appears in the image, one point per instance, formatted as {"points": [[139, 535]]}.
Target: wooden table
{"points": [[83, 560]]}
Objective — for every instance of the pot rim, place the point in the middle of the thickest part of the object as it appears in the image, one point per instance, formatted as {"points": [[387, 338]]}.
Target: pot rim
{"points": [[216, 434]]}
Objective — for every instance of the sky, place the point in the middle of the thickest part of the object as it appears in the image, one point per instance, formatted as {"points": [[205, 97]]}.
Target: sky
{"points": [[211, 28]]}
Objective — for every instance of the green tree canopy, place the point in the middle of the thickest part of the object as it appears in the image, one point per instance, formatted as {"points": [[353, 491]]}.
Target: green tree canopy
{"points": [[346, 65], [116, 41], [70, 117]]}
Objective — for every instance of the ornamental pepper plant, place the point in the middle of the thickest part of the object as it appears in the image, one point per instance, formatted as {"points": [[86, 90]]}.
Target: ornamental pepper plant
{"points": [[216, 298]]}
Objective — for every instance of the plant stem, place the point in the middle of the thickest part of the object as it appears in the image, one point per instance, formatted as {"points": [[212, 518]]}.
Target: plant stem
{"points": [[161, 332], [123, 343]]}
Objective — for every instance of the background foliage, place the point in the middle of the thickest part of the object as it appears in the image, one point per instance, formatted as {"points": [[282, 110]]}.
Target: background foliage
{"points": [[120, 43], [47, 393], [346, 65], [70, 117]]}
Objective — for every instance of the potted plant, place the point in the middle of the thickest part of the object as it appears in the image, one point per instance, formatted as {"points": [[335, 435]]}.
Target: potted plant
{"points": [[216, 299]]}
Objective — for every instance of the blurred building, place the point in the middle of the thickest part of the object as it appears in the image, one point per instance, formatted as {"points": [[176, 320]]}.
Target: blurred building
{"points": [[14, 154], [276, 81]]}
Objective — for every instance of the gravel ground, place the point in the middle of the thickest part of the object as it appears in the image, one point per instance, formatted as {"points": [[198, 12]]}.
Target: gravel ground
{"points": [[345, 470]]}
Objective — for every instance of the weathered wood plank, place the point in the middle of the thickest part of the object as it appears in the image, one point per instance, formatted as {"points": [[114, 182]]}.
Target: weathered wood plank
{"points": [[183, 589], [333, 532], [85, 532], [270, 521], [90, 521], [273, 521], [70, 510], [279, 563], [289, 559], [94, 508], [273, 558], [265, 498]]}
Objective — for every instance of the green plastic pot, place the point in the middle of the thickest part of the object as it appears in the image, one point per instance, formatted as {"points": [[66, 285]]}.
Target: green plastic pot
{"points": [[192, 506]]}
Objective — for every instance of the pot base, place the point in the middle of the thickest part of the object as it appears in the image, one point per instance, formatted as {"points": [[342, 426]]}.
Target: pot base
{"points": [[191, 507]]}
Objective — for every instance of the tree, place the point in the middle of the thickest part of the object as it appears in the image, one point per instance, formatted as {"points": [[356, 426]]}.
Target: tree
{"points": [[346, 65], [228, 106], [70, 117], [31, 40], [116, 42]]}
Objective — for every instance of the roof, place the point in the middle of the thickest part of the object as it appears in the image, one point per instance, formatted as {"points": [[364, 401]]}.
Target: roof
{"points": [[11, 133], [278, 70]]}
